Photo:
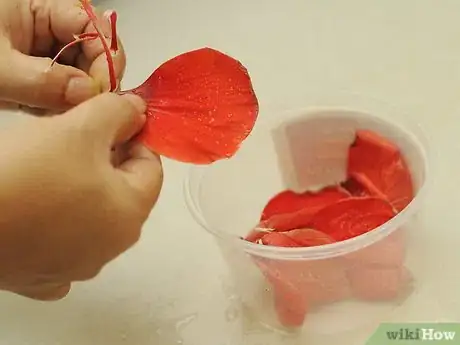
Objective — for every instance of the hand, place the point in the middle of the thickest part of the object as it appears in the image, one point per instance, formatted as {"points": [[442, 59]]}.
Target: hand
{"points": [[32, 32], [66, 209]]}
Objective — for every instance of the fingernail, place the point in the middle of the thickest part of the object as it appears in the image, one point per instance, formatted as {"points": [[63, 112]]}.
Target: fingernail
{"points": [[80, 89], [137, 101]]}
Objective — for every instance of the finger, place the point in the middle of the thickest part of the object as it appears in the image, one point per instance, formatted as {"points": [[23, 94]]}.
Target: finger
{"points": [[109, 119], [99, 71], [8, 105], [42, 112], [30, 81], [47, 292], [144, 172], [61, 19]]}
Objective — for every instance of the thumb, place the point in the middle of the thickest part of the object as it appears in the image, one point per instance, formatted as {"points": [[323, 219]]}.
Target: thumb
{"points": [[32, 82], [108, 119]]}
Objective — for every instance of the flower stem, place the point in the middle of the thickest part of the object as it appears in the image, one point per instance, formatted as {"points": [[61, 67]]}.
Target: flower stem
{"points": [[112, 17], [92, 17]]}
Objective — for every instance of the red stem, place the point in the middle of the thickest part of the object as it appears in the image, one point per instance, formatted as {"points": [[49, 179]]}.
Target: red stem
{"points": [[112, 17], [92, 17]]}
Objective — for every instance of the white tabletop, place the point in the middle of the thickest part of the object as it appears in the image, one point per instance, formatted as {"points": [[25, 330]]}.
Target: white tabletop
{"points": [[172, 288]]}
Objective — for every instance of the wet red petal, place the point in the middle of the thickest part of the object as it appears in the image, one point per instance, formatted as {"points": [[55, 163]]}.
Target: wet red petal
{"points": [[352, 217], [359, 184], [289, 221], [299, 284], [288, 210], [380, 283], [309, 237], [279, 240], [289, 201], [354, 187], [291, 304], [376, 163], [303, 237], [296, 238], [398, 187], [388, 252], [332, 287], [254, 236], [201, 106], [367, 138]]}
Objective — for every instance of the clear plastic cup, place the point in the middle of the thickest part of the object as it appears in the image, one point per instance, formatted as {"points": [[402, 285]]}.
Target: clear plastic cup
{"points": [[324, 289]]}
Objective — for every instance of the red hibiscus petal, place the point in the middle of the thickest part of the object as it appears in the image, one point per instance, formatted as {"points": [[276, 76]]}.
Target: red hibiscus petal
{"points": [[279, 240], [291, 305], [389, 251], [288, 210], [288, 221], [255, 235], [299, 284], [290, 299], [309, 237], [375, 283], [200, 107], [352, 217], [289, 201], [367, 138], [376, 163], [359, 184], [398, 187]]}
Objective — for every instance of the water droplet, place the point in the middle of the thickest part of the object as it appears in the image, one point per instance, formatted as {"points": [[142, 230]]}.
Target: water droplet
{"points": [[232, 313], [185, 321]]}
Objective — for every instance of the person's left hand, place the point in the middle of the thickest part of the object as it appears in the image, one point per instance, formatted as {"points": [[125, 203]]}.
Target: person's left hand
{"points": [[32, 32]]}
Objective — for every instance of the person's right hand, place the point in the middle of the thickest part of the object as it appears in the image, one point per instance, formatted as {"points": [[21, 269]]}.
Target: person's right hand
{"points": [[66, 208]]}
